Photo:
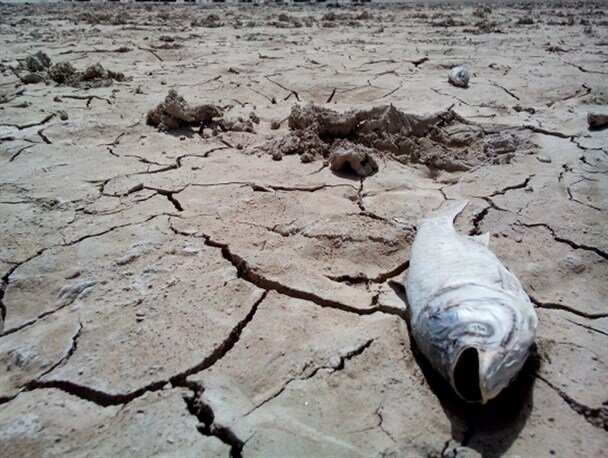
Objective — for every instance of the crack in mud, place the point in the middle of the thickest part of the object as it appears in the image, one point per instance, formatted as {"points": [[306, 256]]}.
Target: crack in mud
{"points": [[26, 126], [504, 89], [574, 199], [568, 242], [503, 191], [21, 150], [567, 308], [6, 278], [207, 426], [590, 328], [251, 275], [104, 399], [540, 130], [285, 88], [72, 349], [597, 416], [332, 368], [44, 138], [362, 278]]}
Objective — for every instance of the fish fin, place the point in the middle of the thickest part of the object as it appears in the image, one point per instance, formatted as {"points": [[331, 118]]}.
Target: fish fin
{"points": [[449, 211], [482, 239], [509, 281]]}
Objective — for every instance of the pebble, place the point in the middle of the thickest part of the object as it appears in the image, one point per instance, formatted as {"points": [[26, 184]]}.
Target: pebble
{"points": [[545, 159]]}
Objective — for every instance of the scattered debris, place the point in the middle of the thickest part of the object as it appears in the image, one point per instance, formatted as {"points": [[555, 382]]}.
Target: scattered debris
{"points": [[459, 76], [442, 140], [63, 73]]}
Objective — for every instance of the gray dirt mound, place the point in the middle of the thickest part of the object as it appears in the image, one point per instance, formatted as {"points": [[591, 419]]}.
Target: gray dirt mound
{"points": [[39, 69], [176, 113], [443, 140]]}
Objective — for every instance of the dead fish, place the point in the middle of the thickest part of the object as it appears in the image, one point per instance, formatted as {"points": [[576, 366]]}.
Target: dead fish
{"points": [[459, 76], [469, 314]]}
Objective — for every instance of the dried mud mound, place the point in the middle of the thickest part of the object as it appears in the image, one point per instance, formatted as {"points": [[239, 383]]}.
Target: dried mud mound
{"points": [[176, 113], [37, 68], [443, 141]]}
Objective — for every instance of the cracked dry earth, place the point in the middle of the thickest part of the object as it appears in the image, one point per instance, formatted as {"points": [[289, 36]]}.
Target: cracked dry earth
{"points": [[180, 294]]}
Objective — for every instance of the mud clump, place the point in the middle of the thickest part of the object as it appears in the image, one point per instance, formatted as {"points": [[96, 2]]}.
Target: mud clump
{"points": [[597, 120], [441, 141], [38, 62], [175, 113], [358, 158], [63, 73]]}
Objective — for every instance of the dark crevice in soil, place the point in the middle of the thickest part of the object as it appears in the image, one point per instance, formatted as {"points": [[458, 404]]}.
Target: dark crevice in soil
{"points": [[208, 426], [111, 399], [362, 278], [598, 416], [26, 126], [505, 89], [571, 243], [590, 328], [510, 188], [21, 150], [69, 354], [169, 195], [4, 284], [567, 308], [540, 130], [44, 138], [251, 275], [333, 368]]}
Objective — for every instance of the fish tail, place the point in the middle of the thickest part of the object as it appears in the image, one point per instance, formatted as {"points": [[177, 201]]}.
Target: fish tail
{"points": [[449, 211]]}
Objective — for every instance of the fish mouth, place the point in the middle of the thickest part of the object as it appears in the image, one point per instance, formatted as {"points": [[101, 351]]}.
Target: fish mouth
{"points": [[466, 376]]}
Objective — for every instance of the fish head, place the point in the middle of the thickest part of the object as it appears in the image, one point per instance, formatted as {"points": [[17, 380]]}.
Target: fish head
{"points": [[484, 343]]}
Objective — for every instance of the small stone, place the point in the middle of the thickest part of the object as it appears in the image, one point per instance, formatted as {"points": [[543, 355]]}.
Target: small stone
{"points": [[597, 120], [277, 155], [307, 157], [126, 259], [545, 159], [63, 115], [275, 125]]}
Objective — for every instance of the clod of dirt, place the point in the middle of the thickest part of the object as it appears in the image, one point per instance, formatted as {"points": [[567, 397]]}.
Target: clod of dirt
{"points": [[299, 142], [32, 78], [459, 76], [38, 62], [211, 21], [358, 158], [176, 113], [597, 120], [441, 141], [64, 73], [238, 124]]}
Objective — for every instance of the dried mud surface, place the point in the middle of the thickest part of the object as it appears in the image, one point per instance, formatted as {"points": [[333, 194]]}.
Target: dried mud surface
{"points": [[226, 281]]}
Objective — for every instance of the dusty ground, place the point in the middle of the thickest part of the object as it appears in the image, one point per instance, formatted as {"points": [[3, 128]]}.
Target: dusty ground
{"points": [[179, 293]]}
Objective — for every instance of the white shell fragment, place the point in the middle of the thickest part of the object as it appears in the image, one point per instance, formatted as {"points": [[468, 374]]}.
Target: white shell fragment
{"points": [[469, 314], [459, 76]]}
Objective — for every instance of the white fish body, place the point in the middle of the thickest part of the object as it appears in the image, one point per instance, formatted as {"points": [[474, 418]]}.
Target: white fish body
{"points": [[469, 314]]}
